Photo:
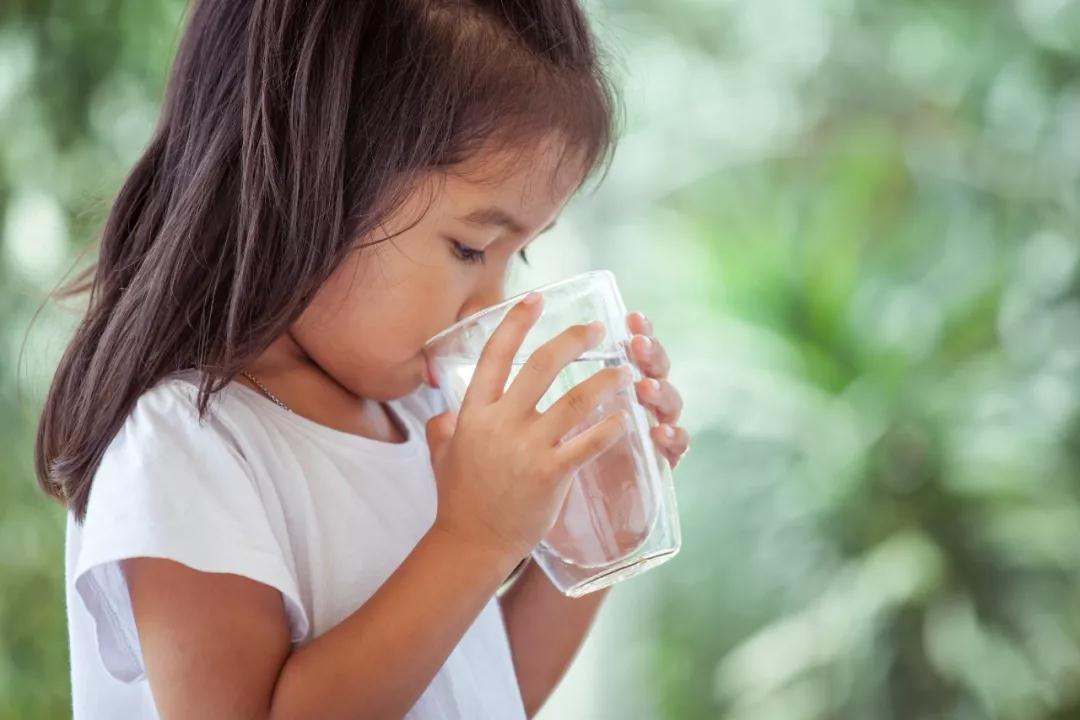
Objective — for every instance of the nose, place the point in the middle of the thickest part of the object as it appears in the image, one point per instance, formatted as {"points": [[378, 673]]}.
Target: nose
{"points": [[489, 296]]}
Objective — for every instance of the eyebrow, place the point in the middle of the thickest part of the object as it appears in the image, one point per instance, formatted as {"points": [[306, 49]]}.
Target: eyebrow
{"points": [[497, 216]]}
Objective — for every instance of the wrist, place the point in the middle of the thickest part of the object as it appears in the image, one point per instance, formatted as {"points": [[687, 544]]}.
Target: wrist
{"points": [[463, 549]]}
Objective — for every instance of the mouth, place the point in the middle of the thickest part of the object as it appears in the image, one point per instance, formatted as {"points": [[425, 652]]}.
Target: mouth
{"points": [[429, 375]]}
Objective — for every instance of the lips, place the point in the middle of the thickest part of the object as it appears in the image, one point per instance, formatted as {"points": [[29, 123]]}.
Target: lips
{"points": [[429, 375]]}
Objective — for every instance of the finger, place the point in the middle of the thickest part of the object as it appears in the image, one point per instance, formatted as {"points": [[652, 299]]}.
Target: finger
{"points": [[493, 367], [576, 406], [662, 398], [649, 355], [638, 324], [592, 443], [672, 442], [548, 360]]}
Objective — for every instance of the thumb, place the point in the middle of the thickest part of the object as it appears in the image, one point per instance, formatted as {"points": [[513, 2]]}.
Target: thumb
{"points": [[439, 431]]}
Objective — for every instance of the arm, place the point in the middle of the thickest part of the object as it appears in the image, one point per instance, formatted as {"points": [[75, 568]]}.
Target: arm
{"points": [[546, 629], [231, 658]]}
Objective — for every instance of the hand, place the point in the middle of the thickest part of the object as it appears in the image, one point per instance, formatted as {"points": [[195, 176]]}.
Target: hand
{"points": [[501, 466], [655, 392]]}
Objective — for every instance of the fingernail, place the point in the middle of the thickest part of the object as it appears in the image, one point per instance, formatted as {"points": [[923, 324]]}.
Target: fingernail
{"points": [[531, 299], [648, 323], [668, 432], [646, 344], [654, 386], [596, 331]]}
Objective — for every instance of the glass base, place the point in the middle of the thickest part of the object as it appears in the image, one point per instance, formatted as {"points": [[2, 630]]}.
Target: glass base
{"points": [[620, 573]]}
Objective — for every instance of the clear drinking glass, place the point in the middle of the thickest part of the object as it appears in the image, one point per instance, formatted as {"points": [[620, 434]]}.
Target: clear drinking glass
{"points": [[620, 517]]}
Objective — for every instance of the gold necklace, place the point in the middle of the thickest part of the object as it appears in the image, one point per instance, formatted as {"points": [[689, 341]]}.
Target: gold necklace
{"points": [[277, 401], [265, 390]]}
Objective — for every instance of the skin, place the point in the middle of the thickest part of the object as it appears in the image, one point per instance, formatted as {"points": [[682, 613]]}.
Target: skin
{"points": [[232, 657]]}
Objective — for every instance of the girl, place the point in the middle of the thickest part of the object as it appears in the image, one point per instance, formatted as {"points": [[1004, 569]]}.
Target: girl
{"points": [[240, 425]]}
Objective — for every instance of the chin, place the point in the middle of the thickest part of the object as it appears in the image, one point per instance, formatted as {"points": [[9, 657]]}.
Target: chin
{"points": [[390, 391], [392, 387]]}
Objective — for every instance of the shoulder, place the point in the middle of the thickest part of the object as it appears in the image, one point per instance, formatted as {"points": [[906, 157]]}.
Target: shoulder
{"points": [[167, 457], [165, 424], [172, 472], [173, 401], [174, 484]]}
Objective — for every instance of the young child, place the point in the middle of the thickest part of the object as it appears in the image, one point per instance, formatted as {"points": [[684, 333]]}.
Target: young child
{"points": [[241, 427]]}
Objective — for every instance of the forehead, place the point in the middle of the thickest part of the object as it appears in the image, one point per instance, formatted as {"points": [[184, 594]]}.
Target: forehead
{"points": [[530, 185]]}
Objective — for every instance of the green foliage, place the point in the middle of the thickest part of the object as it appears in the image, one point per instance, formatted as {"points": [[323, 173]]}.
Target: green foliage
{"points": [[903, 268]]}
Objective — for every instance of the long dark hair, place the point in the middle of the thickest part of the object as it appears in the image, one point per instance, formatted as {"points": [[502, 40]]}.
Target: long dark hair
{"points": [[287, 131]]}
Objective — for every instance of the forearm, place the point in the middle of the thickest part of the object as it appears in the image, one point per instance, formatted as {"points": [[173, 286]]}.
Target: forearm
{"points": [[546, 629], [379, 660]]}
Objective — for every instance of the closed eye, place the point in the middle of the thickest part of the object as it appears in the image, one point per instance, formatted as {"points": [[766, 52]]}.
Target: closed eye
{"points": [[466, 254]]}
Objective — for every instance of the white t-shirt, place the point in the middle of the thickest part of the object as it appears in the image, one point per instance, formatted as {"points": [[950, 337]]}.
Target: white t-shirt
{"points": [[323, 516]]}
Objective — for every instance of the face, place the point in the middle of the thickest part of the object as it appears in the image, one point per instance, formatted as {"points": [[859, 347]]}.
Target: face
{"points": [[454, 241]]}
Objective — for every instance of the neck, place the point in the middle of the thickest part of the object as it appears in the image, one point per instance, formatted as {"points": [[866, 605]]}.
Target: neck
{"points": [[311, 392]]}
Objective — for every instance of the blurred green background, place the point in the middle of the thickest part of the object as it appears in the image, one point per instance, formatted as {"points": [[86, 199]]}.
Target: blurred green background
{"points": [[855, 226]]}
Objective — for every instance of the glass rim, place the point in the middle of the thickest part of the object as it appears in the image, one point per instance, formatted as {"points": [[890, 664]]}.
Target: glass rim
{"points": [[502, 305]]}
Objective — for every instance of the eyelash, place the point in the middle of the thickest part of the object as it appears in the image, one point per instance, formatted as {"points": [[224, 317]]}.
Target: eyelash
{"points": [[474, 256]]}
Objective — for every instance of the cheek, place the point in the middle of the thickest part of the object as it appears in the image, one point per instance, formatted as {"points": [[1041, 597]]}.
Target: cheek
{"points": [[330, 326], [367, 323], [363, 347], [328, 332]]}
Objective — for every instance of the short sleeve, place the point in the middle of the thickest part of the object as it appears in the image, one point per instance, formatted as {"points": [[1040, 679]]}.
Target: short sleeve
{"points": [[173, 486]]}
